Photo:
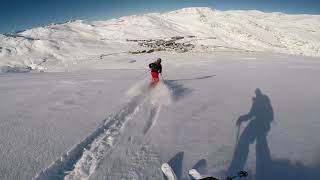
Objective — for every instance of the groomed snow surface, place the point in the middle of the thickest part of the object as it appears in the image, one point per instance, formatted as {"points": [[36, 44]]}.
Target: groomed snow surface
{"points": [[103, 120]]}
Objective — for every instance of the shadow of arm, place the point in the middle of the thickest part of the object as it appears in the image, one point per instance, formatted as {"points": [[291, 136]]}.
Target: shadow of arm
{"points": [[243, 118]]}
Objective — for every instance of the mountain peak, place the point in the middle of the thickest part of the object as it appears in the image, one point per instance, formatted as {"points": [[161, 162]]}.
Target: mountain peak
{"points": [[193, 10]]}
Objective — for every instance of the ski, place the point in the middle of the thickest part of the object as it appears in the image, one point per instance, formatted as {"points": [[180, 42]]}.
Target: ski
{"points": [[168, 172], [195, 175]]}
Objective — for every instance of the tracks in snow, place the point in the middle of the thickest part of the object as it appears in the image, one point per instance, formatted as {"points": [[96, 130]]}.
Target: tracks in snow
{"points": [[81, 161], [154, 114]]}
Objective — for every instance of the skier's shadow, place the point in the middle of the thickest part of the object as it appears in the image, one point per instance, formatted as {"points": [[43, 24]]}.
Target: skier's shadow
{"points": [[192, 79], [260, 117], [178, 91]]}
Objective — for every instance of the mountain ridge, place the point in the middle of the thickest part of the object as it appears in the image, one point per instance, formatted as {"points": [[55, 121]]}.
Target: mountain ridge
{"points": [[244, 30]]}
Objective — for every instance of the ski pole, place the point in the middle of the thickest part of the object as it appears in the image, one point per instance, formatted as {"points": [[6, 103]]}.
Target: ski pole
{"points": [[238, 133]]}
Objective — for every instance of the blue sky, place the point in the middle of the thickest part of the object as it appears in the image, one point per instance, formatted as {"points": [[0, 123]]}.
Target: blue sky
{"points": [[22, 14]]}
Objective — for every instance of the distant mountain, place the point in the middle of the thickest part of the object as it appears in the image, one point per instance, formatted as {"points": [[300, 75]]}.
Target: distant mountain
{"points": [[46, 48]]}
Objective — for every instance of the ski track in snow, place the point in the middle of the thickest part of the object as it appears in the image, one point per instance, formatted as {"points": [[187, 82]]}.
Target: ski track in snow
{"points": [[104, 143], [85, 156], [154, 114], [82, 160]]}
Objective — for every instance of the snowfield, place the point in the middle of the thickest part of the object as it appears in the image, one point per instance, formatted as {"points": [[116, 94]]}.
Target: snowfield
{"points": [[91, 113]]}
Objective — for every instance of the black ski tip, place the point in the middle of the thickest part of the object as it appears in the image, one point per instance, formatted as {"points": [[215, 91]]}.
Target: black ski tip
{"points": [[242, 174]]}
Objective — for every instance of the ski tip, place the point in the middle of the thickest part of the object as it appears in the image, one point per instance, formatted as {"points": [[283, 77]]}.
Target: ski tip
{"points": [[195, 174], [165, 165], [168, 172]]}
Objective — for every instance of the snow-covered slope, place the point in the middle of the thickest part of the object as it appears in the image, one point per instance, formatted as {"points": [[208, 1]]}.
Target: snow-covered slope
{"points": [[109, 125], [105, 125], [68, 46]]}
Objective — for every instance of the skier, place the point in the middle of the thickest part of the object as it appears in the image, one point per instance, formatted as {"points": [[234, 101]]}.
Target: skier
{"points": [[155, 68]]}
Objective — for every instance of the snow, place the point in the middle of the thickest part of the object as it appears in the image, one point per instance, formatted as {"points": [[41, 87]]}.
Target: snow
{"points": [[44, 115], [70, 46], [200, 124], [91, 113]]}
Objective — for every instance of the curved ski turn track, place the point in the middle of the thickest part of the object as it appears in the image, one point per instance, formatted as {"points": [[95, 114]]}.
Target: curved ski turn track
{"points": [[82, 160]]}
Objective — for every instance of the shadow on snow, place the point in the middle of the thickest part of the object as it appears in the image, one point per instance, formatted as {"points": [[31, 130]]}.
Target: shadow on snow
{"points": [[192, 79], [176, 164], [178, 91], [260, 117]]}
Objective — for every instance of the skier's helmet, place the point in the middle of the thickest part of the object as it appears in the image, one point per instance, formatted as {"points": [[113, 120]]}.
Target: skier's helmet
{"points": [[159, 60]]}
